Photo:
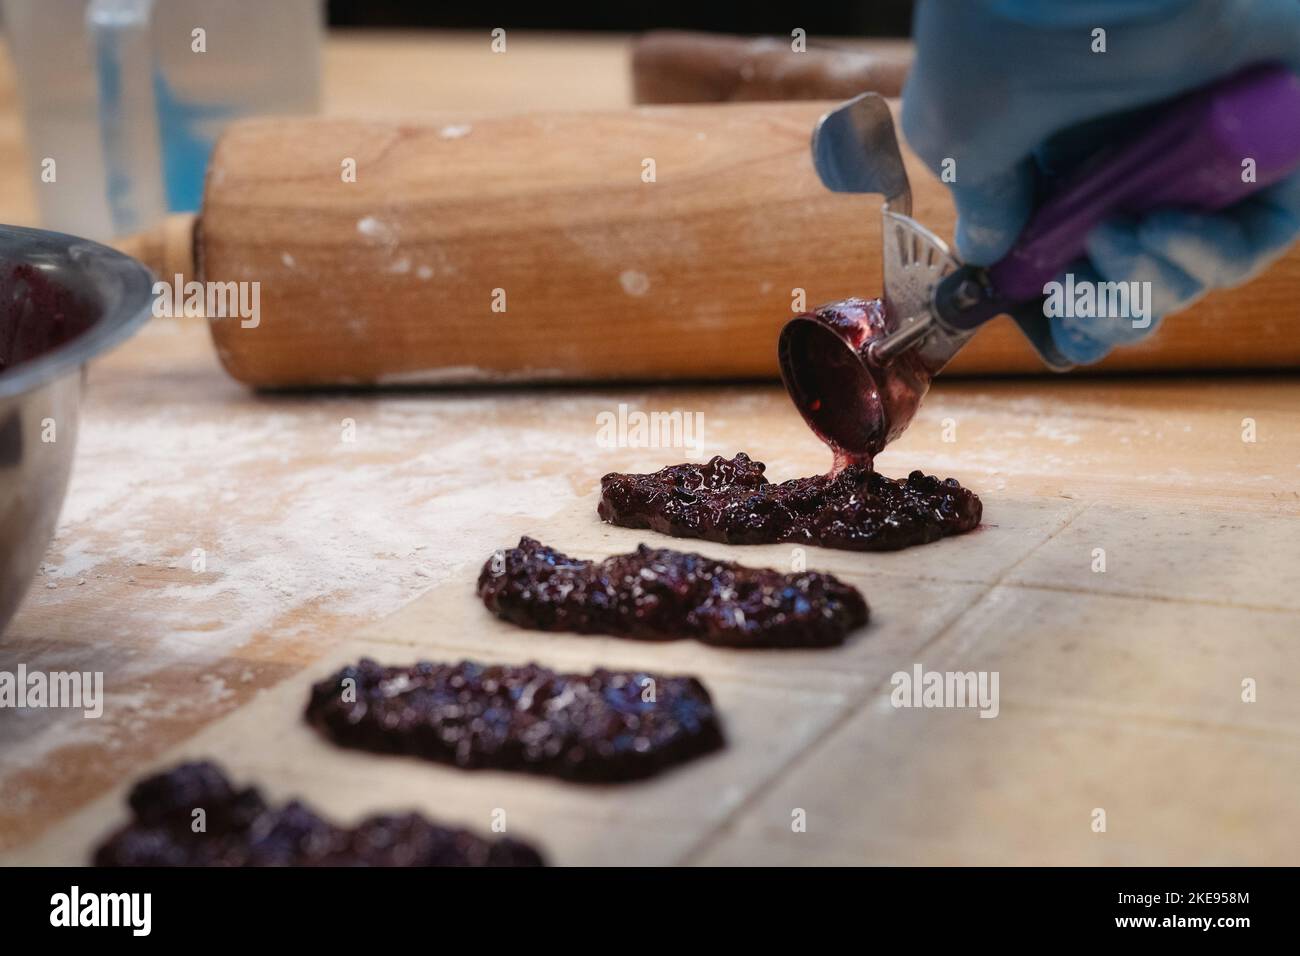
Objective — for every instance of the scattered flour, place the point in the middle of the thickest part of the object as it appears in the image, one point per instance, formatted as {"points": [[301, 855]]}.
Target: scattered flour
{"points": [[375, 228], [634, 283], [286, 512], [261, 523]]}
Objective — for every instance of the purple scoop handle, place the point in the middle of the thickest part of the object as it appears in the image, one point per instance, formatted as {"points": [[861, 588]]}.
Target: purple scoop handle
{"points": [[1191, 157]]}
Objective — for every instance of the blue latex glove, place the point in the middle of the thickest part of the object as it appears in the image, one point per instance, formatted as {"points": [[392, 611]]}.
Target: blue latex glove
{"points": [[1010, 90]]}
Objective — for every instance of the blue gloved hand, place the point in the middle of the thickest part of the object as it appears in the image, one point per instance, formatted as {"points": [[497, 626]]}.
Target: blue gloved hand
{"points": [[1011, 90]]}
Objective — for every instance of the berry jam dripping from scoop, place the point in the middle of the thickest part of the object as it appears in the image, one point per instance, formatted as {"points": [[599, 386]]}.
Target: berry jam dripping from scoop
{"points": [[847, 459], [856, 406], [852, 403]]}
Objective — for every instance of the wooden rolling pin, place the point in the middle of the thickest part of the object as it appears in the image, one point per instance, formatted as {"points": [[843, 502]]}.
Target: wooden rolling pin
{"points": [[542, 248], [672, 66]]}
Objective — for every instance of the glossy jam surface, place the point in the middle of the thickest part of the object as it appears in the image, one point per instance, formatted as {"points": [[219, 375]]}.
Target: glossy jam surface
{"points": [[731, 500], [852, 403], [659, 594], [36, 315], [243, 830], [601, 727]]}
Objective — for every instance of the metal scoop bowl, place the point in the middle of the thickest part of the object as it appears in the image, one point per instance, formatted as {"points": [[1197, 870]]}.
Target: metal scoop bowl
{"points": [[63, 301], [854, 397]]}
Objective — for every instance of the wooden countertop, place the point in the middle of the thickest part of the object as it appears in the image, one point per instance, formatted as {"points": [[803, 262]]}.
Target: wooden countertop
{"points": [[218, 548]]}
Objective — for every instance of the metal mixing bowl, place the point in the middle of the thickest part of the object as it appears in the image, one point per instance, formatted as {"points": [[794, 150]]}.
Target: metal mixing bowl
{"points": [[63, 301]]}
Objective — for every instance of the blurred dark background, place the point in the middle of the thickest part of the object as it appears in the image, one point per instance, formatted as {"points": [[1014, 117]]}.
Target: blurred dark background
{"points": [[881, 18]]}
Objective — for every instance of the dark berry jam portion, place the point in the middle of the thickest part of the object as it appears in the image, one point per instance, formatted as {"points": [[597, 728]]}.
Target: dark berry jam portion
{"points": [[658, 594], [730, 500], [37, 315], [240, 829], [601, 727]]}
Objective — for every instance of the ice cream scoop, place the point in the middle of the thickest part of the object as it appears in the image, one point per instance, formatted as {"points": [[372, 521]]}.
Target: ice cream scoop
{"points": [[858, 372]]}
